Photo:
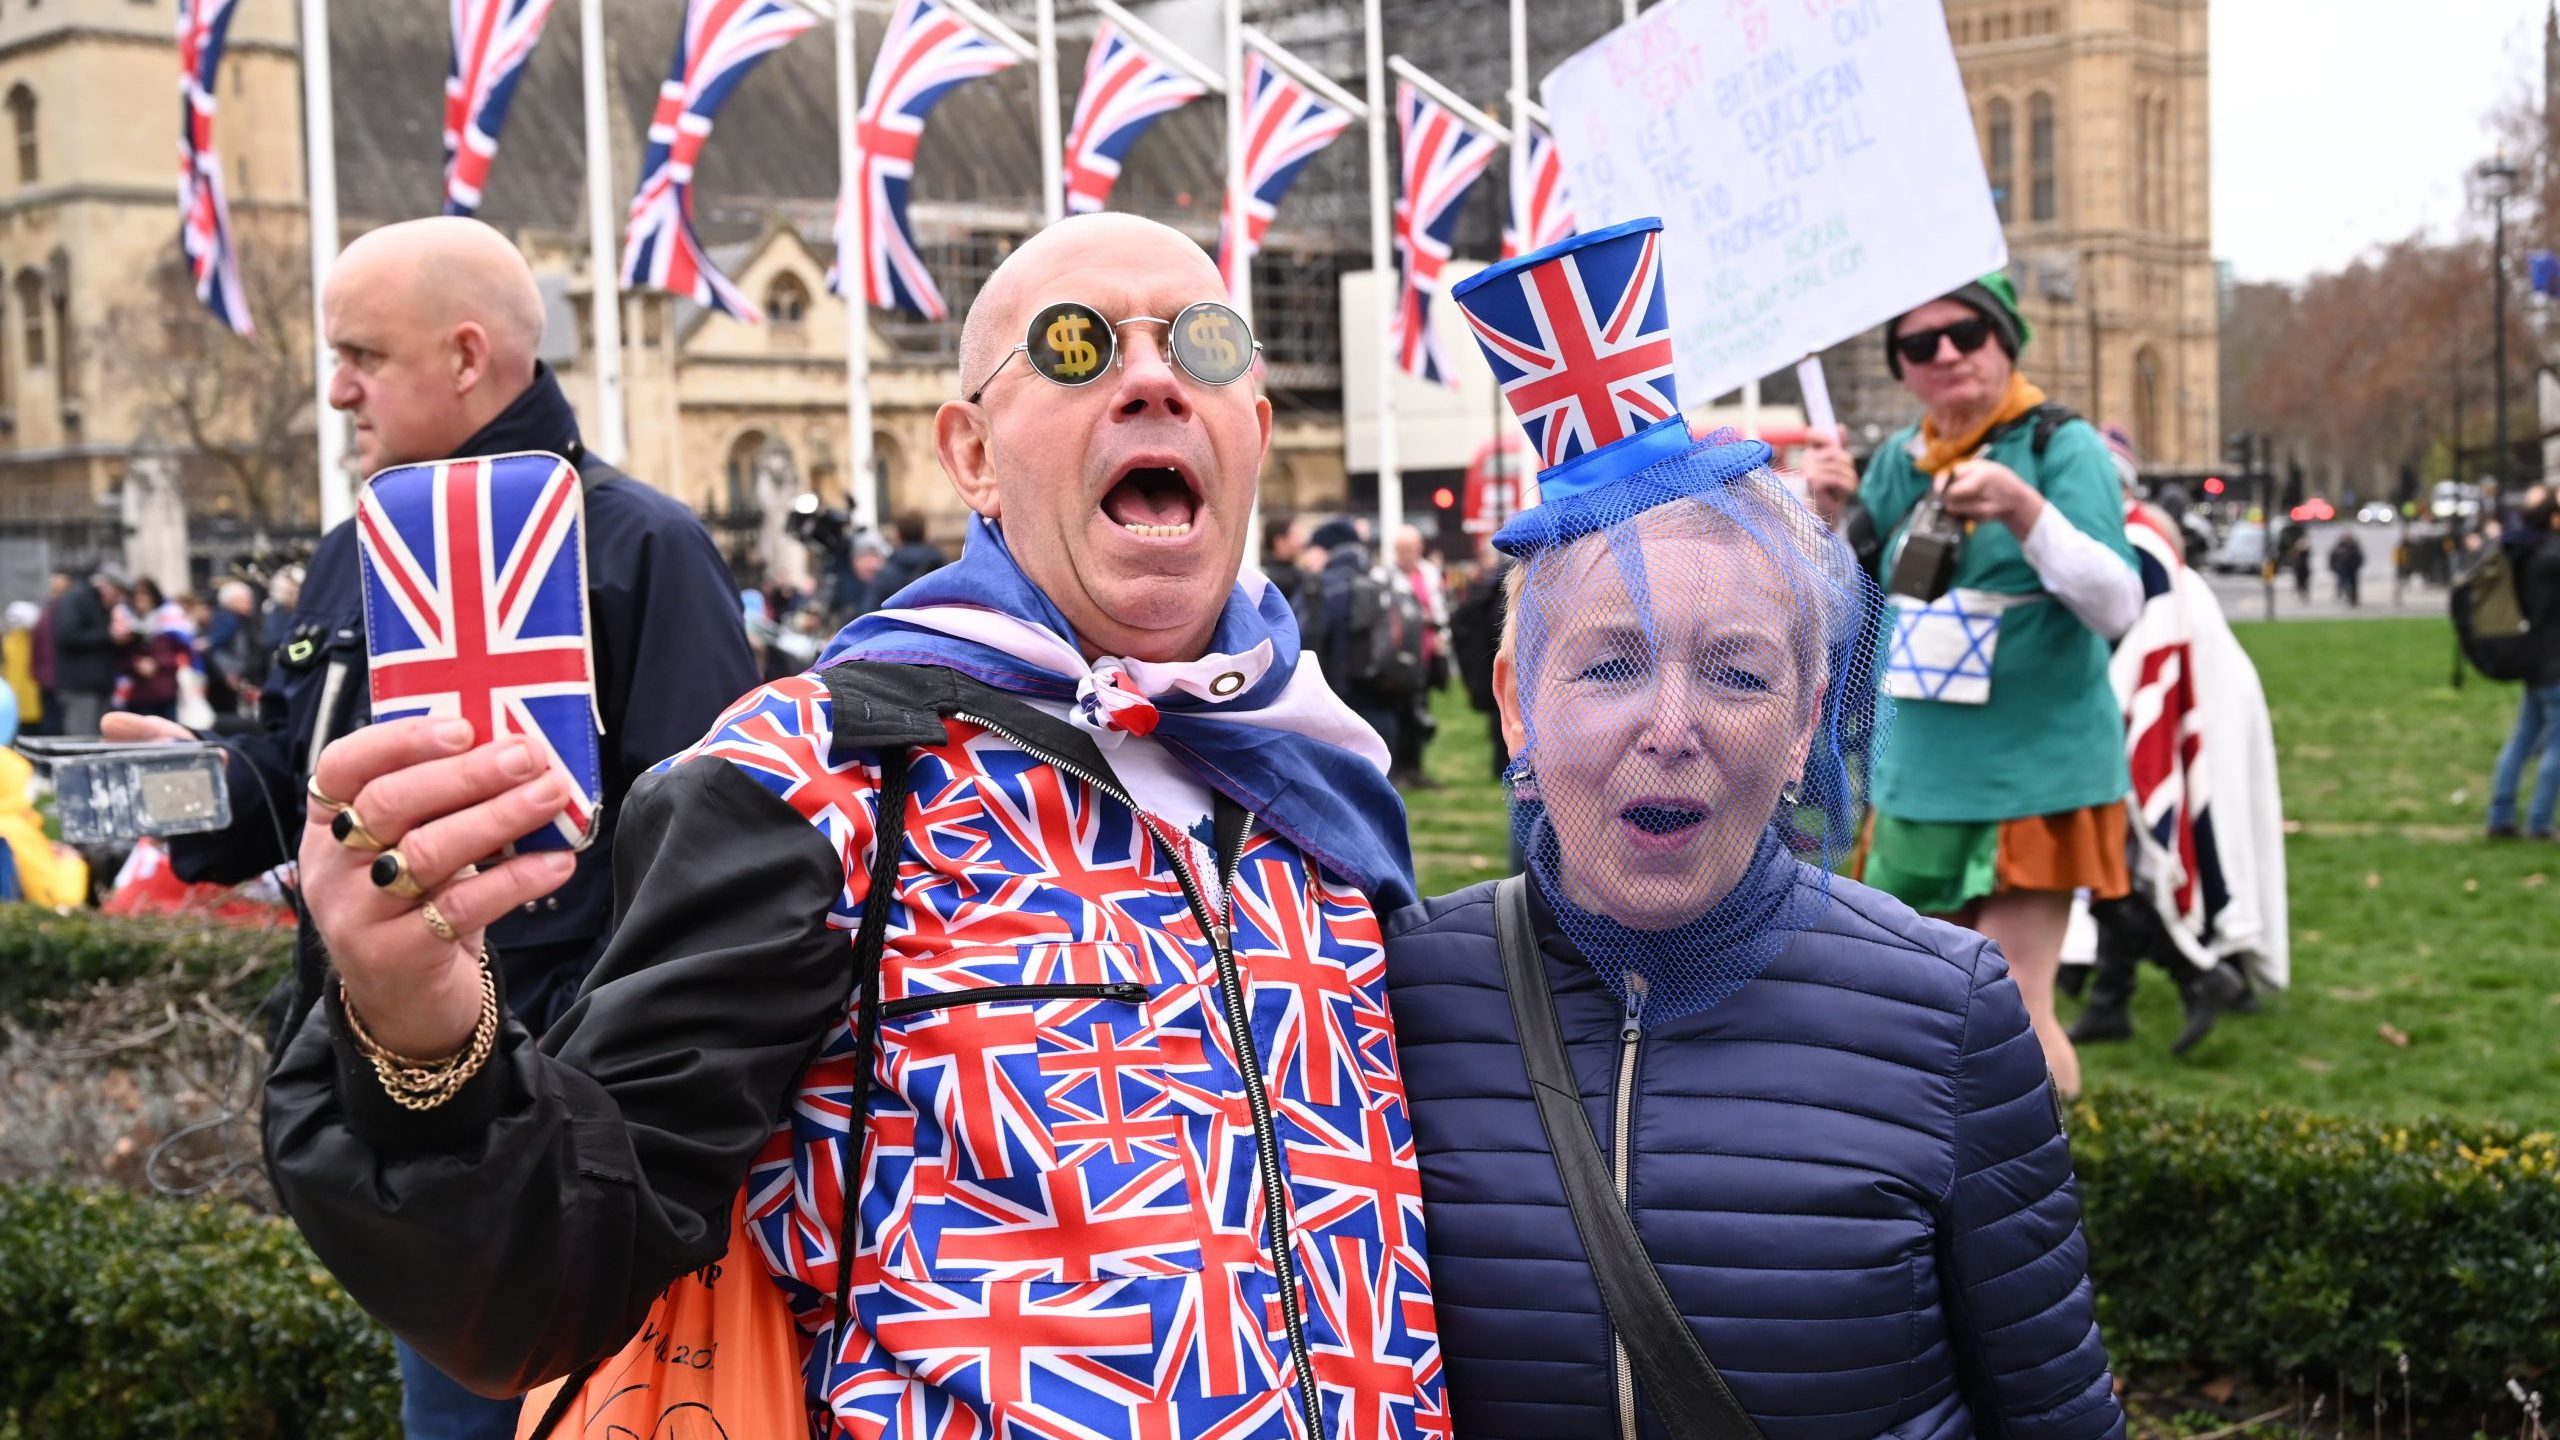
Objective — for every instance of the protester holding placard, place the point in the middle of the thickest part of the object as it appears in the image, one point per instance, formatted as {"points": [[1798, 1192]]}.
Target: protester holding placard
{"points": [[2003, 790]]}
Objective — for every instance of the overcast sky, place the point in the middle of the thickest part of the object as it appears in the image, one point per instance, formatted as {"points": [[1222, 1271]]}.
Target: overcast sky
{"points": [[2341, 124]]}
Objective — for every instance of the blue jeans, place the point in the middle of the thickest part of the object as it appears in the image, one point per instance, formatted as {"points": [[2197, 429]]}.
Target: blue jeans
{"points": [[2537, 732], [434, 1407]]}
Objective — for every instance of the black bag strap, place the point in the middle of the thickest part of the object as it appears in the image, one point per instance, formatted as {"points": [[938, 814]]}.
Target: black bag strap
{"points": [[889, 835], [1689, 1397]]}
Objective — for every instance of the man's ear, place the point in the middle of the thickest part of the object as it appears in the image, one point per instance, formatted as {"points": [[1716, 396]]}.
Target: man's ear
{"points": [[1506, 700], [967, 450], [468, 349]]}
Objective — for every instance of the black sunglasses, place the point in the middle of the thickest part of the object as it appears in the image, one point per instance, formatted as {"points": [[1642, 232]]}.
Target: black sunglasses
{"points": [[1921, 346], [1071, 344]]}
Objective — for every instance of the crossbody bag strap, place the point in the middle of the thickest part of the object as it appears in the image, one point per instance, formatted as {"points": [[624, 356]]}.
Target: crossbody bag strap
{"points": [[1689, 1397], [888, 840]]}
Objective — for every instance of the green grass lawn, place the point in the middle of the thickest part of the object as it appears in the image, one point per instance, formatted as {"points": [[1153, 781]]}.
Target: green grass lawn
{"points": [[2406, 923]]}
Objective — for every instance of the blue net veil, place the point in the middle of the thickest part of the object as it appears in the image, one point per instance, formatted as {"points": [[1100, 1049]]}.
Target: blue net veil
{"points": [[1695, 661]]}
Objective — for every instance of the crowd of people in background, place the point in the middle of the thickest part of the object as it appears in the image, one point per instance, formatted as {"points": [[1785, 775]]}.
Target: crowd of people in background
{"points": [[101, 642]]}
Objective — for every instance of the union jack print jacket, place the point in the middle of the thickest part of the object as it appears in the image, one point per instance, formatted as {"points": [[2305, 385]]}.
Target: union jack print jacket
{"points": [[1133, 1160]]}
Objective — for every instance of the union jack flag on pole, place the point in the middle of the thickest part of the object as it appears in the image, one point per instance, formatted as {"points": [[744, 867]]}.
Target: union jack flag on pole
{"points": [[722, 40], [204, 215], [475, 605], [927, 51], [491, 41], [1285, 124], [1579, 339], [1125, 89], [1541, 211], [1443, 155]]}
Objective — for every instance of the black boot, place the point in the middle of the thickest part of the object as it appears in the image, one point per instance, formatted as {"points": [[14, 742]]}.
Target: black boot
{"points": [[2109, 1013], [2208, 995]]}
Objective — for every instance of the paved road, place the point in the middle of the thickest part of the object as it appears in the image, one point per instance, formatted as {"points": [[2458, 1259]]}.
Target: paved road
{"points": [[2244, 598]]}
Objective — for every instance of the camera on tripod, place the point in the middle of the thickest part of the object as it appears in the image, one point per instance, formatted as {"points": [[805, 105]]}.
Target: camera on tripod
{"points": [[824, 528]]}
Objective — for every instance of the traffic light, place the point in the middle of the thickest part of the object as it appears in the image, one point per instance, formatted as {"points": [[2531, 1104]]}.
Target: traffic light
{"points": [[2213, 484], [2238, 450]]}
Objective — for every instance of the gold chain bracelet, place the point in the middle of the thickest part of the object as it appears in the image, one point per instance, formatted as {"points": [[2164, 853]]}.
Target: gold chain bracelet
{"points": [[424, 1085]]}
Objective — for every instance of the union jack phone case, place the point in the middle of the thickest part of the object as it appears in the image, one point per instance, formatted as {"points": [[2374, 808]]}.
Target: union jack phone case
{"points": [[475, 605]]}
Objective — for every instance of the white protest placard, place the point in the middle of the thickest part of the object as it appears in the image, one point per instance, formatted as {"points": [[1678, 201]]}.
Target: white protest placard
{"points": [[1813, 162]]}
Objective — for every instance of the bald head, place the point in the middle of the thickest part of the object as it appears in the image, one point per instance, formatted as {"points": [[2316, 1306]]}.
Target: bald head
{"points": [[1027, 278], [435, 323], [447, 270]]}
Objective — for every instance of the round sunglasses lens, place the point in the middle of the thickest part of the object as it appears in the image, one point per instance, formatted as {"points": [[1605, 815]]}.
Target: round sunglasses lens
{"points": [[1068, 343], [1211, 342]]}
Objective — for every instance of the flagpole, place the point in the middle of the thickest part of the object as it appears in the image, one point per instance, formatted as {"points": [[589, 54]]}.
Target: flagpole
{"points": [[610, 435], [853, 267], [1520, 178], [1382, 264], [1053, 207], [1232, 221], [320, 169]]}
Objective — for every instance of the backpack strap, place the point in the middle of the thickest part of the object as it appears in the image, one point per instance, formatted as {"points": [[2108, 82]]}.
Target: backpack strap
{"points": [[1689, 1397]]}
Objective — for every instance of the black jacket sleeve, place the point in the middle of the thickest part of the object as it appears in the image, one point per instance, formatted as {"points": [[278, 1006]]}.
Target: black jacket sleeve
{"points": [[521, 1229]]}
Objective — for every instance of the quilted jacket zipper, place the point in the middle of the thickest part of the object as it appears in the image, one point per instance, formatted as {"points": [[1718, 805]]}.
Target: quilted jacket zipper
{"points": [[1126, 991], [1266, 1137], [1630, 1040]]}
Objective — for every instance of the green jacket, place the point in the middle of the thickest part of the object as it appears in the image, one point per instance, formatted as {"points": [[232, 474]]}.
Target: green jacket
{"points": [[2051, 738]]}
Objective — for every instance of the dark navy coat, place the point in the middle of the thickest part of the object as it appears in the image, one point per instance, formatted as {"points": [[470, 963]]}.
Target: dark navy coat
{"points": [[1850, 1174], [670, 653]]}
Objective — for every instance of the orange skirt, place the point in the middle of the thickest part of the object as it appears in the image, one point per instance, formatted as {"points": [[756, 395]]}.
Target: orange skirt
{"points": [[1938, 868]]}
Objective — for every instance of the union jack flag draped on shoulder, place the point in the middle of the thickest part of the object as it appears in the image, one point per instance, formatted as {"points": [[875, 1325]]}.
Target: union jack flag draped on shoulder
{"points": [[1125, 89], [204, 215], [475, 605], [1285, 124], [927, 51], [722, 40], [1541, 211], [491, 41], [1442, 157]]}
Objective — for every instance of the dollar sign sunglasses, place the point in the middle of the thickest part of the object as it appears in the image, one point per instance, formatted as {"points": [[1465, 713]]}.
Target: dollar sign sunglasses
{"points": [[1070, 343]]}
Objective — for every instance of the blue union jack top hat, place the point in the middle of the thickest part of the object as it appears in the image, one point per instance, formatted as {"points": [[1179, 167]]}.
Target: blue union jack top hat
{"points": [[1579, 337]]}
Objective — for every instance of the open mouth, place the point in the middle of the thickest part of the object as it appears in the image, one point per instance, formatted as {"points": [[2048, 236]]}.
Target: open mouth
{"points": [[1155, 502], [1662, 820]]}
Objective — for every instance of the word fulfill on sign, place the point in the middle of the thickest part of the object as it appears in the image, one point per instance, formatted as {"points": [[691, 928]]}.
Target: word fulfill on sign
{"points": [[1813, 162]]}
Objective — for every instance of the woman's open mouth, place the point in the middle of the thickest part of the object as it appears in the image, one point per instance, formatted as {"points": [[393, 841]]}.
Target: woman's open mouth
{"points": [[1660, 824], [1154, 502]]}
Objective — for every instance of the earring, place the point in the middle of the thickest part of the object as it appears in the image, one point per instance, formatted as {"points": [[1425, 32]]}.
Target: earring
{"points": [[1791, 793]]}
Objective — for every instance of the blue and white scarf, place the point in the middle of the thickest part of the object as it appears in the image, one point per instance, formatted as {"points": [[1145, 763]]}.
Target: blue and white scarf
{"points": [[1246, 719]]}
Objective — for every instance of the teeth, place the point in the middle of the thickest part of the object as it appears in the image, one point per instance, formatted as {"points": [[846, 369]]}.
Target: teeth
{"points": [[1159, 532]]}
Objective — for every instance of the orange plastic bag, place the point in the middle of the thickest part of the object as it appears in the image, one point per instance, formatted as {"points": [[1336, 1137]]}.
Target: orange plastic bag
{"points": [[718, 1358]]}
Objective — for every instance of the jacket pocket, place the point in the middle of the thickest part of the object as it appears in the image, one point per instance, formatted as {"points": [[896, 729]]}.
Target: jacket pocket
{"points": [[1049, 1144]]}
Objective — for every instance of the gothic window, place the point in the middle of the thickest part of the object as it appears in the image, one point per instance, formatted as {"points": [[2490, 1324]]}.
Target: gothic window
{"points": [[2146, 402], [2003, 144], [31, 308], [2161, 204], [22, 124], [740, 472], [786, 307], [2041, 158]]}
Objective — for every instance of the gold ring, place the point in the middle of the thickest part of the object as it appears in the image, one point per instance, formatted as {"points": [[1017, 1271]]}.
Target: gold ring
{"points": [[322, 798], [390, 871], [428, 912], [351, 832]]}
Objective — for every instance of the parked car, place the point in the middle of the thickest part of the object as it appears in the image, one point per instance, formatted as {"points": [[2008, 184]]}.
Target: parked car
{"points": [[2243, 551]]}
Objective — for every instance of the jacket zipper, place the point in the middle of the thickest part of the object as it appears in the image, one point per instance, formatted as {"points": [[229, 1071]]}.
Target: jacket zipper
{"points": [[1126, 991], [1630, 1039], [1221, 933]]}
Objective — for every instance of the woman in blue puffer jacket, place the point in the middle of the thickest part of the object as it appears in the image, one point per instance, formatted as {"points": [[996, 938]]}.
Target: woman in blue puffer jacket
{"points": [[1826, 1116]]}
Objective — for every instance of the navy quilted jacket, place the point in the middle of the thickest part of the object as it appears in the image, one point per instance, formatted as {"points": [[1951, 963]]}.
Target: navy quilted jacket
{"points": [[1850, 1175]]}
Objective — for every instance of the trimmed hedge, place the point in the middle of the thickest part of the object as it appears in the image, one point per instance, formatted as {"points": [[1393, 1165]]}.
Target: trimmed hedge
{"points": [[125, 1316], [2278, 1244], [52, 958]]}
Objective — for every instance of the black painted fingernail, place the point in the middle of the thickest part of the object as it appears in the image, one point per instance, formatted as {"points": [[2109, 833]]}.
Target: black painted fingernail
{"points": [[342, 824], [386, 869]]}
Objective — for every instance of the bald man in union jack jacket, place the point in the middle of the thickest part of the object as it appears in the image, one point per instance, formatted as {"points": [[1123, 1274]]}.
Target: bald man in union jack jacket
{"points": [[1112, 1140]]}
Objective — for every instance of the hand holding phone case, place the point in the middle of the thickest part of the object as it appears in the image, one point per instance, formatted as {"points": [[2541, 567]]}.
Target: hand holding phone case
{"points": [[475, 605]]}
